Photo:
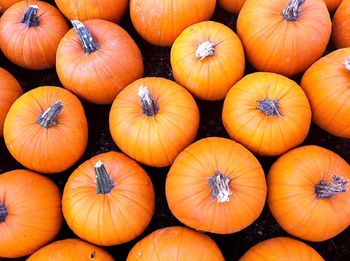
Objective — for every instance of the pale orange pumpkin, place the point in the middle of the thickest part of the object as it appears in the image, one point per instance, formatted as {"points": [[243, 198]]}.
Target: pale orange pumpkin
{"points": [[341, 25], [232, 6]]}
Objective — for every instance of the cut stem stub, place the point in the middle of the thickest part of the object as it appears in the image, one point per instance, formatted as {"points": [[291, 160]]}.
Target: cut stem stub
{"points": [[291, 12], [326, 189], [85, 37], [268, 107], [220, 188], [205, 49], [30, 18], [148, 102], [103, 180], [49, 117], [3, 212]]}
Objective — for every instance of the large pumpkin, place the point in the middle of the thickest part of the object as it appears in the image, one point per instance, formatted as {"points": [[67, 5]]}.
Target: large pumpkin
{"points": [[108, 200], [46, 129], [341, 25], [308, 193], [232, 6], [216, 185], [207, 59], [30, 32], [97, 59], [4, 4], [267, 113], [175, 243], [160, 22], [30, 212], [284, 36], [332, 5], [153, 119], [327, 86]]}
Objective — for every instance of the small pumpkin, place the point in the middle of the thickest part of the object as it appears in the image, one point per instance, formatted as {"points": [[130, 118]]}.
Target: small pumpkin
{"points": [[30, 32], [207, 59], [308, 193], [97, 59], [332, 5], [153, 119], [281, 248], [5, 4], [10, 90], [70, 249], [284, 36], [108, 200], [232, 6], [30, 212], [160, 22], [216, 185], [341, 25], [46, 129], [176, 243], [267, 113]]}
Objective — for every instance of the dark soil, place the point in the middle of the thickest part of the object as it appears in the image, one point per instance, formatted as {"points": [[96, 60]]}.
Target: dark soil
{"points": [[157, 63]]}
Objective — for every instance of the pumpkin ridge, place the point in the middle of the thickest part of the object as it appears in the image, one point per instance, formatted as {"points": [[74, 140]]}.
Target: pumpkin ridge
{"points": [[326, 189], [3, 212], [30, 18], [103, 181], [291, 12], [49, 117], [219, 185], [85, 37], [148, 102]]}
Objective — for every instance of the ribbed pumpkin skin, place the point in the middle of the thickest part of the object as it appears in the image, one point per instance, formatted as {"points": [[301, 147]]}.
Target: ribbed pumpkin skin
{"points": [[190, 197], [209, 78], [93, 9], [34, 47], [71, 249], [34, 215], [46, 150], [10, 90], [5, 4], [232, 6], [292, 198], [160, 22], [175, 243], [332, 5], [341, 25], [113, 218], [266, 135], [327, 86], [154, 141], [273, 44], [281, 248]]}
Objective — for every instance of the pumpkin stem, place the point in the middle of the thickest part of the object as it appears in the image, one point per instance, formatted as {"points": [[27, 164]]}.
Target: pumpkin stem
{"points": [[103, 181], [291, 12], [30, 18], [205, 50], [3, 212], [326, 189], [85, 37], [219, 185], [148, 102], [269, 107], [347, 63], [49, 117]]}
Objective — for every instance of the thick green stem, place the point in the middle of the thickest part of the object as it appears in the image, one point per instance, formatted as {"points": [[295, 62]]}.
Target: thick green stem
{"points": [[49, 117], [268, 107], [30, 18], [103, 181], [291, 12], [3, 212], [148, 102], [220, 188], [326, 189], [205, 49], [85, 37]]}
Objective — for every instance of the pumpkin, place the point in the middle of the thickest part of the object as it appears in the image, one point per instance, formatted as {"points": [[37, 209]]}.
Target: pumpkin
{"points": [[281, 248], [176, 243], [153, 119], [232, 6], [332, 5], [10, 90], [308, 193], [4, 4], [160, 22], [97, 59], [70, 249], [326, 84], [341, 25], [97, 9], [30, 212], [207, 59], [284, 36], [216, 185], [46, 129], [267, 113], [108, 200], [30, 32]]}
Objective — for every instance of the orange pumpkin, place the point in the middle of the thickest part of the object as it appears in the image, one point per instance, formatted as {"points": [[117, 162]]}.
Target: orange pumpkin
{"points": [[327, 86], [70, 249], [30, 32], [207, 59], [284, 36], [308, 193], [46, 129], [216, 185], [10, 90], [232, 6], [97, 59], [153, 119], [175, 243], [281, 248], [108, 200], [30, 212], [341, 25], [267, 113], [4, 4], [332, 5], [160, 22]]}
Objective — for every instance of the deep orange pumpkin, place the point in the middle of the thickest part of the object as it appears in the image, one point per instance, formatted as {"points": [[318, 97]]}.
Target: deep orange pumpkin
{"points": [[30, 32], [30, 212], [97, 59], [207, 59], [46, 129], [232, 6], [332, 5], [5, 4], [216, 185], [308, 193], [341, 25], [108, 200]]}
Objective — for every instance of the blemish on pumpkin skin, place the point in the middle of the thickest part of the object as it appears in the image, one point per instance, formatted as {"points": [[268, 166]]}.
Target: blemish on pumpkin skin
{"points": [[93, 255]]}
